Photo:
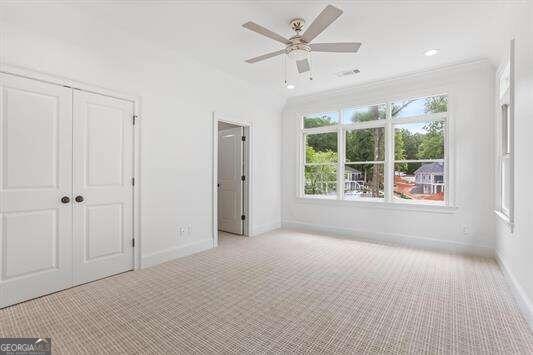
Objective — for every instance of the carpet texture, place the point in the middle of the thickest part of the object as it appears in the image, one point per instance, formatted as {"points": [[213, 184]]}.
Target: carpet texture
{"points": [[286, 291]]}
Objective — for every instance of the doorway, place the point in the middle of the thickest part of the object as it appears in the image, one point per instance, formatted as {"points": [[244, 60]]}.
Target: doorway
{"points": [[231, 157]]}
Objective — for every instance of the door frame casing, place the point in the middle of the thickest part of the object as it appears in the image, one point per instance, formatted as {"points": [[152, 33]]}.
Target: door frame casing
{"points": [[136, 100], [248, 172]]}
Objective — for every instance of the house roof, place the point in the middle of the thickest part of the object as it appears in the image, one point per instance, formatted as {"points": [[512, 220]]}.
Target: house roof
{"points": [[352, 170], [431, 168]]}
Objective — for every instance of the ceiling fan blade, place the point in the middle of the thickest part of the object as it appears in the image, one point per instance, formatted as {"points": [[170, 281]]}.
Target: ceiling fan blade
{"points": [[303, 66], [265, 56], [345, 47], [265, 32], [323, 20]]}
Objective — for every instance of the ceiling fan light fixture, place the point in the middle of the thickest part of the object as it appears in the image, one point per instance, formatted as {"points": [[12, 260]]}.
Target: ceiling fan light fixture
{"points": [[298, 54], [298, 51]]}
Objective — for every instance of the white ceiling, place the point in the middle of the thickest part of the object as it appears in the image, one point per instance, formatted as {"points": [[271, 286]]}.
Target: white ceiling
{"points": [[394, 33]]}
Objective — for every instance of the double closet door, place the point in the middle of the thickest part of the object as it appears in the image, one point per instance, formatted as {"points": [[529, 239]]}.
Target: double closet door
{"points": [[66, 195]]}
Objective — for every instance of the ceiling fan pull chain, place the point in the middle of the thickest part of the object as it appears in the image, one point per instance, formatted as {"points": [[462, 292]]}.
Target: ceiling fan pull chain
{"points": [[310, 68], [285, 65]]}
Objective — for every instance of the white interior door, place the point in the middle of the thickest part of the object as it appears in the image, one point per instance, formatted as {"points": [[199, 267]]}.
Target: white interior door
{"points": [[35, 173], [230, 170], [102, 186]]}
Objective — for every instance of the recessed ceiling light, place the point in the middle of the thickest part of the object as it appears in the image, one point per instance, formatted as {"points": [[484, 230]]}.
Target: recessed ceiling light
{"points": [[431, 52], [290, 86]]}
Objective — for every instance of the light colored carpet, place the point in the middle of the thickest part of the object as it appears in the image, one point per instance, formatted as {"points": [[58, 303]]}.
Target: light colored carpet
{"points": [[286, 292]]}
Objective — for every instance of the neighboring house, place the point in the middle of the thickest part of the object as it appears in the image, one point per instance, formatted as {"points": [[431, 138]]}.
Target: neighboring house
{"points": [[429, 179], [353, 179]]}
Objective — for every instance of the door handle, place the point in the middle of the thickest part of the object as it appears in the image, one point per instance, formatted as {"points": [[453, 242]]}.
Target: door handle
{"points": [[78, 198], [65, 199]]}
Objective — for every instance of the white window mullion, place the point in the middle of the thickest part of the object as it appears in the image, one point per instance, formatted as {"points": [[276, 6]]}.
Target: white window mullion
{"points": [[317, 130], [365, 162], [389, 156], [420, 161], [441, 116], [447, 186], [364, 125], [301, 168], [341, 139], [511, 128]]}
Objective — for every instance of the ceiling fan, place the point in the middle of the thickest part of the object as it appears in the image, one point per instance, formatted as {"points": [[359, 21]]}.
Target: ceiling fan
{"points": [[299, 46]]}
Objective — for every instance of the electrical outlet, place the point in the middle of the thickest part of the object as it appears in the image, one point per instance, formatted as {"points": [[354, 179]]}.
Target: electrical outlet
{"points": [[466, 230]]}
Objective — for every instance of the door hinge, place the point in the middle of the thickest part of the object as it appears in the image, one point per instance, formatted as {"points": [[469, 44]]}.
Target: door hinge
{"points": [[135, 118], [243, 138], [133, 242], [243, 178], [243, 217], [132, 181]]}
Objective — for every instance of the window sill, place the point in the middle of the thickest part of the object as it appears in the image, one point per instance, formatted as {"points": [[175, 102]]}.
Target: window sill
{"points": [[505, 220], [398, 206]]}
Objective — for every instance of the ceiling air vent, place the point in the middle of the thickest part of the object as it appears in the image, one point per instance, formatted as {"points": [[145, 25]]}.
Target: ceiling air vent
{"points": [[347, 72]]}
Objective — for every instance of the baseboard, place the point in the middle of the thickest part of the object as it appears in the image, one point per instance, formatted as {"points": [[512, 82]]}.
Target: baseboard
{"points": [[396, 239], [175, 252], [264, 228], [524, 303]]}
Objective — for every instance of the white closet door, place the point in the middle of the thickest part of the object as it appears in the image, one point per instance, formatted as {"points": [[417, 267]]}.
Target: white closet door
{"points": [[35, 173], [103, 168], [229, 180]]}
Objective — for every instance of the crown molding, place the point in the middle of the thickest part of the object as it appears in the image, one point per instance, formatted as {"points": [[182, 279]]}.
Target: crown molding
{"points": [[458, 67]]}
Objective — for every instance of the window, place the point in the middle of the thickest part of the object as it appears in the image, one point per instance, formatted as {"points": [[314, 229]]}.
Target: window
{"points": [[363, 114], [321, 120], [321, 159], [390, 152], [505, 160], [505, 145], [419, 127], [364, 162]]}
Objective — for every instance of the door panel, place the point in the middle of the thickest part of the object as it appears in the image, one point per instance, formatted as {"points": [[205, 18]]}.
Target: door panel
{"points": [[103, 167], [105, 129], [35, 228], [104, 231], [230, 170], [30, 119], [35, 172]]}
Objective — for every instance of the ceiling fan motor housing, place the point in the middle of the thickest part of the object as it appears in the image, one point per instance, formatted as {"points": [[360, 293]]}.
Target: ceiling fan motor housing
{"points": [[297, 24]]}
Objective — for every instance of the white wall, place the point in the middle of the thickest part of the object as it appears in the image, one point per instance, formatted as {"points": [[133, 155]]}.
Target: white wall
{"points": [[515, 251], [470, 89], [178, 97]]}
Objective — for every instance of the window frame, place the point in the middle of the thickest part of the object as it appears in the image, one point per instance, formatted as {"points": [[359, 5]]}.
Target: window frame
{"points": [[505, 142], [434, 117], [306, 164], [359, 126], [388, 164]]}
